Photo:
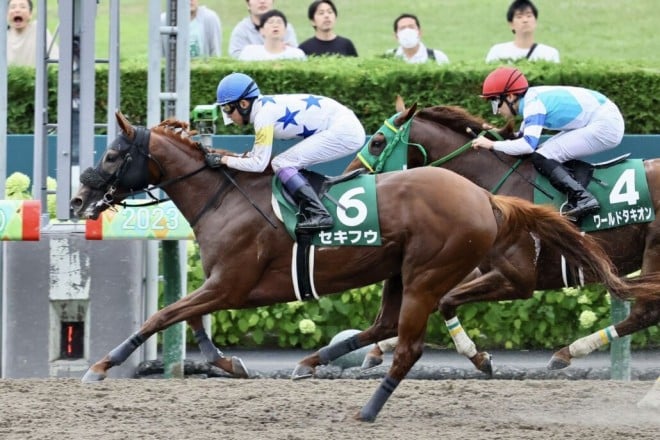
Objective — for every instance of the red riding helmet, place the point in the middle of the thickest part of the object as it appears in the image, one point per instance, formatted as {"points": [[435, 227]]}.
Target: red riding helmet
{"points": [[504, 80]]}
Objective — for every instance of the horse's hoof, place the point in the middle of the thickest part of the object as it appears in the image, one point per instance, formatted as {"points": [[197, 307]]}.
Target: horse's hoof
{"points": [[238, 368], [484, 363], [557, 363], [360, 417], [92, 377], [371, 362], [302, 372]]}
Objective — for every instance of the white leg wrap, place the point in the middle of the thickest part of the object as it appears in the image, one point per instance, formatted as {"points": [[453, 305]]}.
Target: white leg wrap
{"points": [[388, 345], [464, 344], [586, 345]]}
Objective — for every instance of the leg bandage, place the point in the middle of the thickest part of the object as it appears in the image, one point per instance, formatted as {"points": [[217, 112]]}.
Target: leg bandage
{"points": [[586, 345], [209, 350], [121, 352], [464, 345]]}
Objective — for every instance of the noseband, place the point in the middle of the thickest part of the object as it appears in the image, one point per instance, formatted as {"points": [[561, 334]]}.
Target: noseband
{"points": [[131, 174]]}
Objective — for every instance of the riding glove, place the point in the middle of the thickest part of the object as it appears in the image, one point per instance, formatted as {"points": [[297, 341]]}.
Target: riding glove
{"points": [[213, 160]]}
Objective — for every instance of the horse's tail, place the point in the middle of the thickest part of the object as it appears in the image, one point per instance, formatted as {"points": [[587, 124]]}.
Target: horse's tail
{"points": [[580, 250]]}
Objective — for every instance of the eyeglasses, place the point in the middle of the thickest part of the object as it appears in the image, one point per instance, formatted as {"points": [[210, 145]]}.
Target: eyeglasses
{"points": [[228, 108], [496, 103]]}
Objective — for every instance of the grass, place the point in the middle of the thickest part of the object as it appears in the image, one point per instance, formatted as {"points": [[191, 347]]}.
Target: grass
{"points": [[463, 29]]}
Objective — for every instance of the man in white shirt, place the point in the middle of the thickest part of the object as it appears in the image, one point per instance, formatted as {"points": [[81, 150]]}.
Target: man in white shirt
{"points": [[408, 33], [272, 26], [522, 16], [247, 30]]}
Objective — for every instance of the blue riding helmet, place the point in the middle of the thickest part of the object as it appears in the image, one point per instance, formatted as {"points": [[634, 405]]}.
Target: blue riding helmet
{"points": [[236, 86]]}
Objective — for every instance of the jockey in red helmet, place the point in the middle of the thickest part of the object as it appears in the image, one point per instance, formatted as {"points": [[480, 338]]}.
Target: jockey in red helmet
{"points": [[587, 122]]}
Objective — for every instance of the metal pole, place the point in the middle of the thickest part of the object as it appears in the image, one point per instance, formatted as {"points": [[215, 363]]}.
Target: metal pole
{"points": [[3, 169], [620, 348]]}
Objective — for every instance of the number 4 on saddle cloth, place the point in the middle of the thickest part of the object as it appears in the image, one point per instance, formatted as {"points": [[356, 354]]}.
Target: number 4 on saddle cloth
{"points": [[350, 199], [352, 203], [619, 185]]}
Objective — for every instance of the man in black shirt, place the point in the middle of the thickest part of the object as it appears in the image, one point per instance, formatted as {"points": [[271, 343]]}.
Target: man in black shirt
{"points": [[323, 15]]}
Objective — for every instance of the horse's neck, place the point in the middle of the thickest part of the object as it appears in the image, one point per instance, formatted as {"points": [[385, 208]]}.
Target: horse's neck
{"points": [[489, 172]]}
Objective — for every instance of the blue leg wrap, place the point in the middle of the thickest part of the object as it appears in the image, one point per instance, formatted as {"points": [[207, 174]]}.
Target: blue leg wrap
{"points": [[209, 350], [332, 352], [375, 404], [120, 353]]}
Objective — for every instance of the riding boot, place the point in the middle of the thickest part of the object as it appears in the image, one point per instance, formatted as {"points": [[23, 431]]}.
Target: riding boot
{"points": [[584, 203], [581, 201], [316, 217]]}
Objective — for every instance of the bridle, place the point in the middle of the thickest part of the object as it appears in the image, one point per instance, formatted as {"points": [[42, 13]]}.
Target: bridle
{"points": [[132, 174]]}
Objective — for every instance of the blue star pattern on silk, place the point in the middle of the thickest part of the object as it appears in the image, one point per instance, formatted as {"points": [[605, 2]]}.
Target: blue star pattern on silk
{"points": [[266, 99], [289, 118], [306, 132], [312, 100]]}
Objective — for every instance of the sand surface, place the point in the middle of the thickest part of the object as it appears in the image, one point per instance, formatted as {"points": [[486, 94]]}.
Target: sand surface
{"points": [[264, 409]]}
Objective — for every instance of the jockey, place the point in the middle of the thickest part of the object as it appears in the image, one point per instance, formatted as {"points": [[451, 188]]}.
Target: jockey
{"points": [[327, 131], [587, 121]]}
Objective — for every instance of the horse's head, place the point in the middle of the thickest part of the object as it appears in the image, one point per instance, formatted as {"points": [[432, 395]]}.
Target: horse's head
{"points": [[383, 151], [122, 170]]}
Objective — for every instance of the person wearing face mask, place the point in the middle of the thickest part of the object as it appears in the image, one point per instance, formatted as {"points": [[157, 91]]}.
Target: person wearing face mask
{"points": [[408, 32]]}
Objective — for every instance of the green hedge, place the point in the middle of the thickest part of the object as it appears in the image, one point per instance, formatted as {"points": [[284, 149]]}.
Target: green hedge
{"points": [[368, 86]]}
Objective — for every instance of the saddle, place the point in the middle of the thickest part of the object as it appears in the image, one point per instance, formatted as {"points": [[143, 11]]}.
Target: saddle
{"points": [[583, 171]]}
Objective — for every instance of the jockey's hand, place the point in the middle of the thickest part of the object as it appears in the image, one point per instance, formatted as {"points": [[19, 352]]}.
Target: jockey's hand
{"points": [[482, 142], [214, 160]]}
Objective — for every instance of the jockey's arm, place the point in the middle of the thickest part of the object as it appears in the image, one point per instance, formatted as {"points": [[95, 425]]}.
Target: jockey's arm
{"points": [[257, 160]]}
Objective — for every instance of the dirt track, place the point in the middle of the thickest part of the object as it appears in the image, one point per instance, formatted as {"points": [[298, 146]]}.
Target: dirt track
{"points": [[264, 409]]}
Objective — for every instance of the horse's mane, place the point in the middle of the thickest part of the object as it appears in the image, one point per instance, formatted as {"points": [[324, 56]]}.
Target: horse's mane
{"points": [[458, 119], [177, 130]]}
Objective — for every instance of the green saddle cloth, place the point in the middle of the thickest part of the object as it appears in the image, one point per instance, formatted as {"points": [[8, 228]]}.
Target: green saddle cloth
{"points": [[357, 225], [624, 196]]}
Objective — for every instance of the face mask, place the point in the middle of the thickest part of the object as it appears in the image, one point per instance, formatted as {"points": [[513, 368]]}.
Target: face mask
{"points": [[408, 38]]}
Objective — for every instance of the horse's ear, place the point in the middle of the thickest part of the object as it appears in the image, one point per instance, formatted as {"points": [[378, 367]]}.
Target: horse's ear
{"points": [[406, 115], [124, 125], [399, 105]]}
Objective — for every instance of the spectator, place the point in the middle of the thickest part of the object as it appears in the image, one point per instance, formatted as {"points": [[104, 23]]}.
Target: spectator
{"points": [[22, 35], [247, 30], [408, 33], [326, 130], [204, 33], [522, 16], [272, 26], [323, 15]]}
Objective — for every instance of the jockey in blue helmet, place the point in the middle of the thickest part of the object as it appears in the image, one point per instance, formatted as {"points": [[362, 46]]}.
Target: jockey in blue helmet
{"points": [[327, 131]]}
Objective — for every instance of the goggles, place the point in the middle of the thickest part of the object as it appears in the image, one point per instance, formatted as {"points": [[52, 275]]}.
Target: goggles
{"points": [[495, 104], [229, 108]]}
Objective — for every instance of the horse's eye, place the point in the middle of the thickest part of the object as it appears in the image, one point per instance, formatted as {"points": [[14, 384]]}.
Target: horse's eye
{"points": [[111, 156], [377, 144]]}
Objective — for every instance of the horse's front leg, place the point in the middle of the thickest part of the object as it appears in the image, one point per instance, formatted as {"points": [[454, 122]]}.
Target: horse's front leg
{"points": [[643, 314], [383, 327], [202, 301], [233, 365]]}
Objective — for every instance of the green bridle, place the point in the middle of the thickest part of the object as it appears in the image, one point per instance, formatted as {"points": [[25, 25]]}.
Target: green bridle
{"points": [[394, 158]]}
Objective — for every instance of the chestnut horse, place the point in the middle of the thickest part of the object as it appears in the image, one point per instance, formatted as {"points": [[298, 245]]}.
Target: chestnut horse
{"points": [[436, 226], [442, 134]]}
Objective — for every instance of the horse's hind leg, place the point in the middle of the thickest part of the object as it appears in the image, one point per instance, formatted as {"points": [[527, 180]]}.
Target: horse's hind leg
{"points": [[412, 325], [212, 354], [383, 327], [643, 314]]}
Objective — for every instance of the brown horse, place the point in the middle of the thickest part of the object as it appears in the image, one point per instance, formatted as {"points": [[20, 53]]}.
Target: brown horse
{"points": [[442, 134], [436, 226]]}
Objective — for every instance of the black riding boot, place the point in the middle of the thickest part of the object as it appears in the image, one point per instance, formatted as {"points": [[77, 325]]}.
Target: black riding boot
{"points": [[316, 217], [582, 201]]}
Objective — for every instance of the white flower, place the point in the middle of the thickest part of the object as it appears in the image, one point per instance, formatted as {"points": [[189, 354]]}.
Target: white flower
{"points": [[306, 326], [587, 319]]}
